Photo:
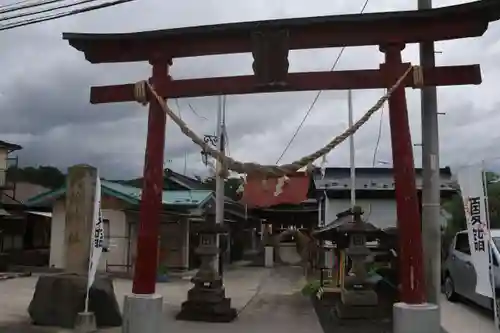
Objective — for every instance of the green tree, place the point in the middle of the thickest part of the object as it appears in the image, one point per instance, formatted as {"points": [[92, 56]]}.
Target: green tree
{"points": [[231, 186], [46, 176], [455, 206]]}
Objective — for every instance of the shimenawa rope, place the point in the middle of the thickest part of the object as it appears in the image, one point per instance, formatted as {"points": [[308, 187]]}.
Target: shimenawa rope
{"points": [[141, 95]]}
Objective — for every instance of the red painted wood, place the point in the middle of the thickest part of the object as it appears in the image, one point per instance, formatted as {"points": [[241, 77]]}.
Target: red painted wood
{"points": [[336, 80], [260, 191], [304, 36], [408, 211], [152, 188]]}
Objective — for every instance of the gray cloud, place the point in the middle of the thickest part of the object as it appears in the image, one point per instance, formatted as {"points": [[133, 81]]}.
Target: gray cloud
{"points": [[44, 91]]}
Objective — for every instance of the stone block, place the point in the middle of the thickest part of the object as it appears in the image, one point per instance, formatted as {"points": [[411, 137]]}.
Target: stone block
{"points": [[220, 312], [206, 295], [269, 256], [85, 322], [346, 311], [359, 297], [59, 298]]}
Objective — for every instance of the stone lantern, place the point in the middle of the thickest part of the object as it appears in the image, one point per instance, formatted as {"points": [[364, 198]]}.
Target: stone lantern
{"points": [[206, 300], [357, 297]]}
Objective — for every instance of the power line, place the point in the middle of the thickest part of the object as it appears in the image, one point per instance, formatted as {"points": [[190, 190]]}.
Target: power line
{"points": [[195, 112], [77, 3], [37, 4], [60, 15], [316, 97], [9, 5], [379, 135]]}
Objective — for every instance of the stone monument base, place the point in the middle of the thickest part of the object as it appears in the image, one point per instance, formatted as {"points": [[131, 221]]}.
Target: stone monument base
{"points": [[207, 303], [357, 304], [208, 312], [59, 298]]}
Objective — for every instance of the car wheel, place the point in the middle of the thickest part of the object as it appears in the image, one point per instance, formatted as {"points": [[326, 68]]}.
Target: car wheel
{"points": [[449, 290]]}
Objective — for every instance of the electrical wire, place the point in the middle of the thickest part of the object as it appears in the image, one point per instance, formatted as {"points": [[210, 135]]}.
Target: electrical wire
{"points": [[178, 107], [64, 14], [224, 128], [196, 112], [10, 5], [379, 135], [77, 3], [28, 6], [315, 100]]}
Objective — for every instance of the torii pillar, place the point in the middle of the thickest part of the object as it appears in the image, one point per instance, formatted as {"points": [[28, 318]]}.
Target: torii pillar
{"points": [[143, 309], [413, 313]]}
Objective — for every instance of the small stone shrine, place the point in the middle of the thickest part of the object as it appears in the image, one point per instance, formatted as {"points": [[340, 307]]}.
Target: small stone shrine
{"points": [[207, 300], [357, 297]]}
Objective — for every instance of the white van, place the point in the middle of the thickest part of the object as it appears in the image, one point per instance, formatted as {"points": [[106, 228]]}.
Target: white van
{"points": [[459, 273]]}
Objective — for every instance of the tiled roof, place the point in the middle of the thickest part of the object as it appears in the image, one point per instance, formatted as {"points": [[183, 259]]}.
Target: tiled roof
{"points": [[129, 194], [10, 146]]}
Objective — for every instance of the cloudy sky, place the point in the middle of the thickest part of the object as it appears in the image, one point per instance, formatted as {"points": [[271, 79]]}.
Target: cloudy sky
{"points": [[44, 93]]}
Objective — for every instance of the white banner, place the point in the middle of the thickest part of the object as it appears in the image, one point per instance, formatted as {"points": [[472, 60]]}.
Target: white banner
{"points": [[470, 180], [97, 239]]}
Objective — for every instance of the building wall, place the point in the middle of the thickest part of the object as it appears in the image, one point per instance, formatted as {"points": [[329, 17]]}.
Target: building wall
{"points": [[379, 212], [116, 258], [122, 239], [173, 251], [57, 251], [174, 244]]}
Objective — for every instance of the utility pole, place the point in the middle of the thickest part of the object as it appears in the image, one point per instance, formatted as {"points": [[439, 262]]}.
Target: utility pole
{"points": [[219, 179], [431, 197]]}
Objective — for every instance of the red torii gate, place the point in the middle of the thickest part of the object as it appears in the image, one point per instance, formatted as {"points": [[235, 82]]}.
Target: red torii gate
{"points": [[270, 42]]}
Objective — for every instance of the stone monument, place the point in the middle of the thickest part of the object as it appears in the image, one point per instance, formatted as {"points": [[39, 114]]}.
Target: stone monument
{"points": [[357, 297], [207, 300], [59, 299]]}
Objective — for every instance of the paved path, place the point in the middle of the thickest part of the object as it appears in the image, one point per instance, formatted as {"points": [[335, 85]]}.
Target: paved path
{"points": [[268, 301], [465, 318], [276, 306]]}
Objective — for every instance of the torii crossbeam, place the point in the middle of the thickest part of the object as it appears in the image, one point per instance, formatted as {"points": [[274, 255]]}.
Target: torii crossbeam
{"points": [[270, 43]]}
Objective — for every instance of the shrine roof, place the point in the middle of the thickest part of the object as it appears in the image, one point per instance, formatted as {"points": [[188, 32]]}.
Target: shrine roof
{"points": [[129, 194], [458, 21]]}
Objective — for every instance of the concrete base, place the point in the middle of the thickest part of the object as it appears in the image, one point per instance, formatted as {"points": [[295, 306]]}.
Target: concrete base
{"points": [[85, 322], [142, 313], [269, 256], [416, 318]]}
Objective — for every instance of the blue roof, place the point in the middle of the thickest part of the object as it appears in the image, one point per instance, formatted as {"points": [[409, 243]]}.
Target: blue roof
{"points": [[129, 194]]}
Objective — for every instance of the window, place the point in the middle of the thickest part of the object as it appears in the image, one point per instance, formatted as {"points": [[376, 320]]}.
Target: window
{"points": [[494, 259], [11, 242], [462, 243]]}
